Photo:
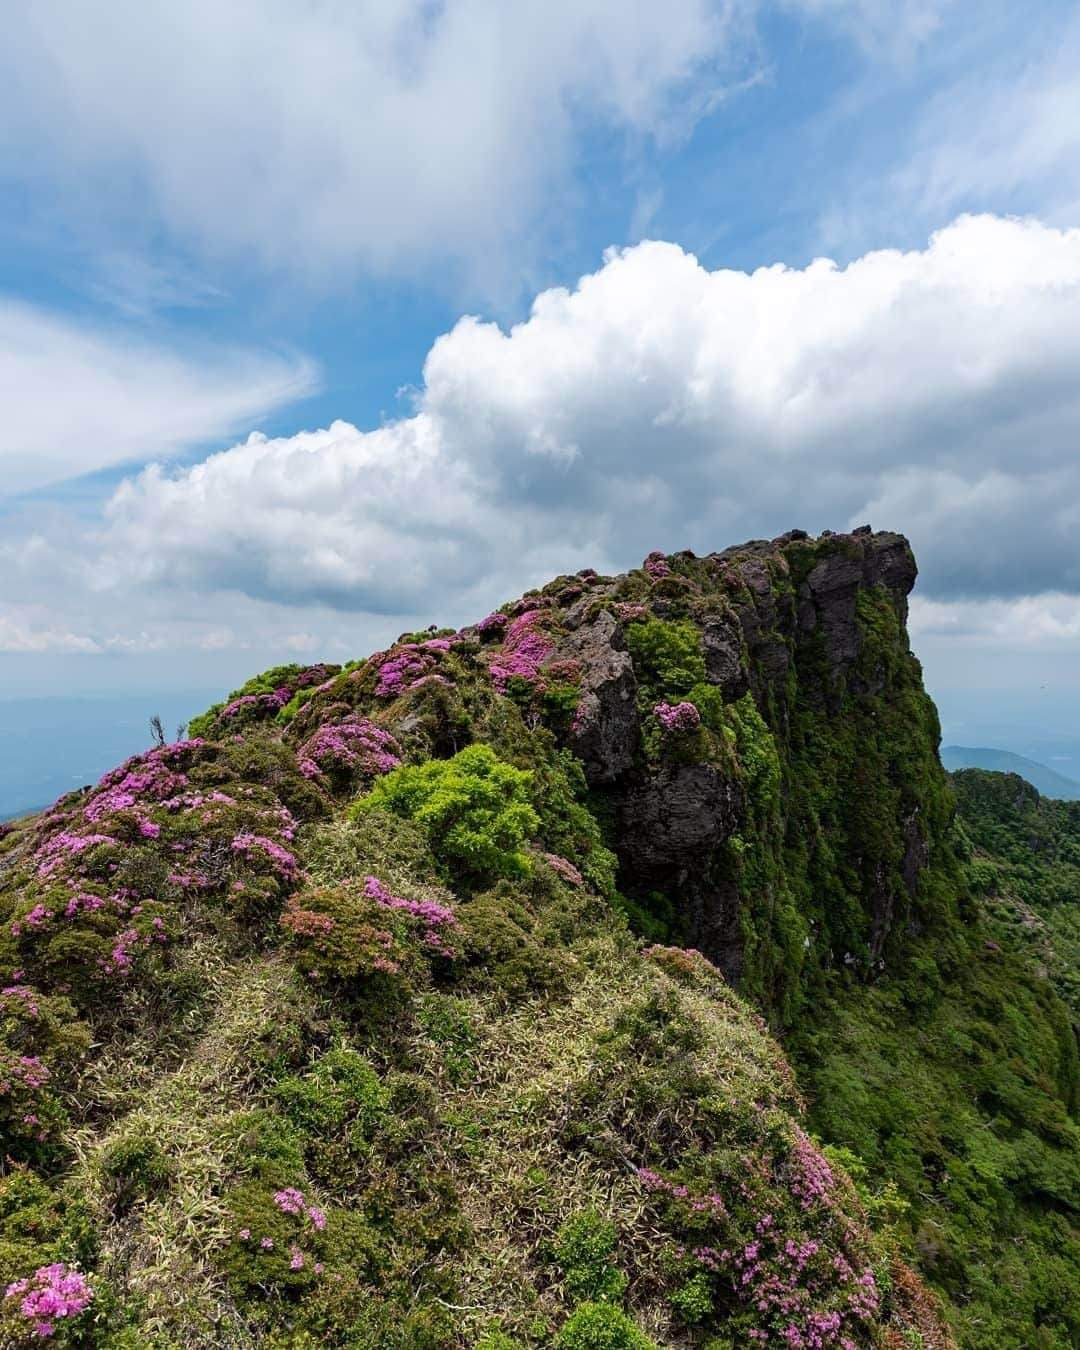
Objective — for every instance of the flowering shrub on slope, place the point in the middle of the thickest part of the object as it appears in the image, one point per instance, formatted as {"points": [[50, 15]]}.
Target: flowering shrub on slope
{"points": [[474, 809], [677, 717], [354, 748], [524, 650], [33, 1306]]}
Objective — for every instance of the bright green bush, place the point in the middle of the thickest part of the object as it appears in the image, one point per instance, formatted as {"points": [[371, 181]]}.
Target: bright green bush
{"points": [[667, 656], [583, 1249], [474, 809], [601, 1326]]}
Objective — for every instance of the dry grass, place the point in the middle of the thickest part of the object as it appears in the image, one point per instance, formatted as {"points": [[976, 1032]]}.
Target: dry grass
{"points": [[161, 1255]]}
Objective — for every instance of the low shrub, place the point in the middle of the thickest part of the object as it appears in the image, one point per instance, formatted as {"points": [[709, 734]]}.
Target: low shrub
{"points": [[583, 1249], [601, 1326], [474, 809]]}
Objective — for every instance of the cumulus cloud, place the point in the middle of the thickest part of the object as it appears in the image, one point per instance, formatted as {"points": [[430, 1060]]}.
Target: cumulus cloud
{"points": [[78, 398], [373, 133], [661, 404], [381, 134], [24, 630]]}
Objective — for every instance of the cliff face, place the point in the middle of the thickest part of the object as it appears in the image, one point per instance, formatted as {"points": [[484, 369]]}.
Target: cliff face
{"points": [[802, 823], [371, 1014]]}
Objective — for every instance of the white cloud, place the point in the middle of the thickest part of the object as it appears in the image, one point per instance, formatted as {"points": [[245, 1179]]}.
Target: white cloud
{"points": [[898, 27], [24, 630], [77, 398], [991, 122], [1049, 619], [382, 134], [659, 404], [994, 134], [377, 133]]}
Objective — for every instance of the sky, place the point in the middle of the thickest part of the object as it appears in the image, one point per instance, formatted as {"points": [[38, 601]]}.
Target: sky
{"points": [[323, 321]]}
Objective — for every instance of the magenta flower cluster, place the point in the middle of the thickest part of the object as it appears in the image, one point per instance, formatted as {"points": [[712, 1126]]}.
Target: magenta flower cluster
{"points": [[434, 918], [21, 998], [291, 1201], [677, 718], [253, 846], [807, 1291], [266, 703], [564, 869], [492, 624], [24, 1071], [657, 565], [355, 746], [52, 1294], [398, 672], [699, 1204], [524, 651], [812, 1181]]}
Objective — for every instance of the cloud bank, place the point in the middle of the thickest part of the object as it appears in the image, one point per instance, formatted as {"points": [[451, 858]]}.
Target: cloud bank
{"points": [[371, 134], [77, 398], [658, 404]]}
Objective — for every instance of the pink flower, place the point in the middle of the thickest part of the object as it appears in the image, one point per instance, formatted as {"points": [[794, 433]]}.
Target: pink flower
{"points": [[677, 717], [50, 1295], [290, 1200]]}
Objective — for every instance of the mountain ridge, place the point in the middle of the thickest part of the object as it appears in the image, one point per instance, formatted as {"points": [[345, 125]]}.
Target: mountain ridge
{"points": [[1048, 781], [431, 957]]}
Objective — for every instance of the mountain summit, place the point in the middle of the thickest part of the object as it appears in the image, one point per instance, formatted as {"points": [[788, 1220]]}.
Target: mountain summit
{"points": [[431, 1000]]}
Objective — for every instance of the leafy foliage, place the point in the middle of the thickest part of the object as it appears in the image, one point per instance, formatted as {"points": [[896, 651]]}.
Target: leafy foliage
{"points": [[393, 1072], [474, 809]]}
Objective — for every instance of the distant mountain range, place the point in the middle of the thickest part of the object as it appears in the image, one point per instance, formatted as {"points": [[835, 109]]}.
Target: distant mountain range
{"points": [[1048, 782]]}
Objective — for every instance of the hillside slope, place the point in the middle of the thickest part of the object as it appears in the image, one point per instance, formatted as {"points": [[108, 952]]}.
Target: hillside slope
{"points": [[1026, 865], [329, 1025], [1046, 780]]}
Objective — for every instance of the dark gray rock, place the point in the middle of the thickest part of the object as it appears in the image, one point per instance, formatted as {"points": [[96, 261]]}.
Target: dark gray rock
{"points": [[722, 647], [671, 817], [606, 732]]}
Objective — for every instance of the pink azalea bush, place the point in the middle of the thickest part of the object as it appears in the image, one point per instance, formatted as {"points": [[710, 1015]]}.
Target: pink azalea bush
{"points": [[773, 1241], [525, 649], [53, 1294], [352, 934], [657, 565], [677, 718]]}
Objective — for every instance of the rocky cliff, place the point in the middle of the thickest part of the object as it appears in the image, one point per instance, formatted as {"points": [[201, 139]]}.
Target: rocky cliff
{"points": [[395, 1006]]}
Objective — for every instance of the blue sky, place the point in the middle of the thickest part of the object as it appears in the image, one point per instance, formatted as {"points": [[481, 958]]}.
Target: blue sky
{"points": [[273, 218]]}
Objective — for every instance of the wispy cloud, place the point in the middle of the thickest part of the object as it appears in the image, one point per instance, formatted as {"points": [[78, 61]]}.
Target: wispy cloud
{"points": [[78, 397], [662, 404]]}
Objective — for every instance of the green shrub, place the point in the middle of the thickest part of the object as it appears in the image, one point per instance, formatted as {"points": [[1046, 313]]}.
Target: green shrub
{"points": [[693, 1301], [583, 1249], [667, 656], [134, 1169], [496, 938], [474, 809], [601, 1326], [342, 935], [337, 1108]]}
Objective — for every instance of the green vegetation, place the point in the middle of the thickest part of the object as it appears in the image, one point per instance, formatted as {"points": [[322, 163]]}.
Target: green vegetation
{"points": [[474, 809], [331, 1027], [1024, 860]]}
